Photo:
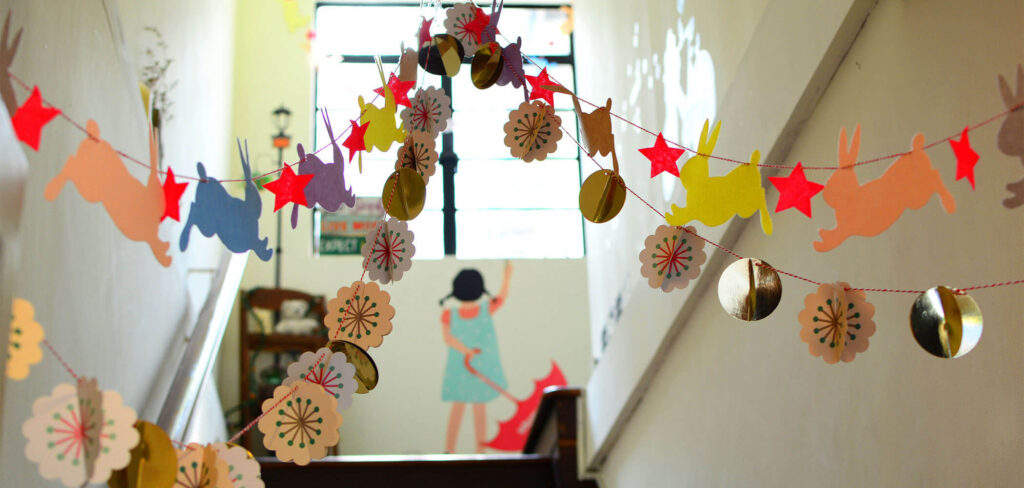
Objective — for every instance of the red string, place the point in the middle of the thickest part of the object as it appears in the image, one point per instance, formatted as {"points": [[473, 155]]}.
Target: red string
{"points": [[60, 359]]}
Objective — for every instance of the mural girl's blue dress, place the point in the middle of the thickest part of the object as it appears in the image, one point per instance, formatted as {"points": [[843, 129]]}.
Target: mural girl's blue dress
{"points": [[476, 333]]}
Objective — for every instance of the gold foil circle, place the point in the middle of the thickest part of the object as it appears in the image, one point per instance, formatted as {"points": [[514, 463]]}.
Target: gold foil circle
{"points": [[602, 196], [442, 55], [366, 370], [487, 64], [944, 323], [404, 194], [153, 461], [749, 289]]}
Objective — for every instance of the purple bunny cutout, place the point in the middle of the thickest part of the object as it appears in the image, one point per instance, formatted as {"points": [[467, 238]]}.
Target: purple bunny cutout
{"points": [[513, 72], [327, 188], [490, 32]]}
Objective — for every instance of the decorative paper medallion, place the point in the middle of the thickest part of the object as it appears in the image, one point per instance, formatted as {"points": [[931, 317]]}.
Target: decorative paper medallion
{"points": [[442, 55], [23, 343], [671, 257], [153, 464], [360, 314], [387, 252], [404, 194], [243, 469], [749, 289], [945, 323], [429, 112], [367, 375], [418, 153], [836, 322], [532, 131], [487, 65], [331, 370], [201, 467], [460, 24], [80, 435], [602, 195], [300, 422]]}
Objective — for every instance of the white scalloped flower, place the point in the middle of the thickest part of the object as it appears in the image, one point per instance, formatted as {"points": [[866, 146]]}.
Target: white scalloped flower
{"points": [[672, 257], [331, 370], [300, 422], [418, 153], [429, 112], [455, 24], [242, 469], [387, 252], [201, 466]]}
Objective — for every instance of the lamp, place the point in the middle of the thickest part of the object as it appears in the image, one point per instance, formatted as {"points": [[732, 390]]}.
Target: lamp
{"points": [[281, 116]]}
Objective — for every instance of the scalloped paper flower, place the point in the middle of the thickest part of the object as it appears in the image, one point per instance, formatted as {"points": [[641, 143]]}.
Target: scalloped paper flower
{"points": [[79, 434], [533, 131], [329, 369], [23, 343], [388, 250], [672, 257], [458, 18], [360, 314], [201, 466], [429, 112], [419, 152], [836, 322], [243, 471], [300, 422]]}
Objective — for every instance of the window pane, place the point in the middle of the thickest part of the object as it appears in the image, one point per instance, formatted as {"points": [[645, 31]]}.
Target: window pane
{"points": [[346, 31], [428, 234], [486, 234], [513, 184], [541, 29]]}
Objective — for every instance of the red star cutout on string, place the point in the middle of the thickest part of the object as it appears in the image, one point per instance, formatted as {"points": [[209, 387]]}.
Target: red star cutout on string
{"points": [[289, 188], [30, 118], [172, 194], [537, 82], [425, 31], [399, 89], [795, 191], [966, 158], [663, 158], [477, 25], [355, 142]]}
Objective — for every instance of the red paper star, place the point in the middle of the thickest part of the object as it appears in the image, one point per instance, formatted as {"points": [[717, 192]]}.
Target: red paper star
{"points": [[537, 82], [966, 158], [477, 25], [30, 118], [355, 141], [663, 158], [399, 89], [795, 191], [172, 194], [289, 188], [425, 31]]}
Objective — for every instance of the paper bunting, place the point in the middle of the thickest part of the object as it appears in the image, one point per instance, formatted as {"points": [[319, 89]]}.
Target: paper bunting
{"points": [[300, 422], [330, 370], [461, 23], [388, 250], [399, 88], [418, 153], [30, 118], [714, 200], [79, 434], [382, 130], [795, 191], [360, 314], [292, 16], [243, 470], [424, 36], [234, 220], [663, 158], [100, 176], [946, 323], [407, 67], [288, 188], [489, 33], [966, 158], [442, 56], [23, 342], [430, 111], [533, 131], [154, 461], [671, 258], [537, 90], [513, 72], [8, 50], [836, 322], [1011, 133], [356, 140], [172, 196], [328, 188], [869, 209], [201, 467], [596, 126]]}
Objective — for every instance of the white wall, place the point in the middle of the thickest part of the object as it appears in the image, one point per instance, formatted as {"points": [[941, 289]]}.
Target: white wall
{"points": [[732, 404]]}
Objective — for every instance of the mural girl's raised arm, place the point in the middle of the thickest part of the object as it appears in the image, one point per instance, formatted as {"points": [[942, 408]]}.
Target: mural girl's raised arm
{"points": [[499, 300]]}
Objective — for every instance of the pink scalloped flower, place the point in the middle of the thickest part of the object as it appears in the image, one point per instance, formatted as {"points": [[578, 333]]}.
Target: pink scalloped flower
{"points": [[533, 131], [836, 322], [23, 343], [360, 314], [329, 369], [458, 21], [202, 466], [243, 471], [388, 250], [300, 422], [428, 112], [419, 153], [672, 257]]}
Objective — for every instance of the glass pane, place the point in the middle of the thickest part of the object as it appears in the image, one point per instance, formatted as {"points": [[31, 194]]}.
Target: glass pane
{"points": [[428, 234], [345, 30], [512, 184], [484, 234], [541, 29]]}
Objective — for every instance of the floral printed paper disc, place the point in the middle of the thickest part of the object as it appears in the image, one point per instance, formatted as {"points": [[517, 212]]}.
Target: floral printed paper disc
{"points": [[533, 131], [419, 153], [331, 370], [300, 422], [429, 112], [458, 24], [671, 257], [23, 346], [201, 467], [387, 252], [836, 322], [360, 314], [242, 470]]}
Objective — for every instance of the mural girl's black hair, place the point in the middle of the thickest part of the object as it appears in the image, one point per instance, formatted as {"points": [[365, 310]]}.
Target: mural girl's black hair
{"points": [[467, 286]]}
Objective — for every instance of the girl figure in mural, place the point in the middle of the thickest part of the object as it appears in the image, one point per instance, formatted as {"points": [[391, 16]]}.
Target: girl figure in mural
{"points": [[469, 332]]}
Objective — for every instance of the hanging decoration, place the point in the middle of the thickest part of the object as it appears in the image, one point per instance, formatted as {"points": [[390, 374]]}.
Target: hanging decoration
{"points": [[404, 194], [749, 289], [407, 68], [200, 466], [512, 73], [23, 341], [795, 191], [327, 188], [243, 470], [399, 89], [360, 314], [946, 322], [293, 17], [418, 153], [538, 87], [8, 50], [532, 131], [289, 188], [367, 376], [671, 257], [172, 196], [1011, 134], [388, 250], [966, 158], [153, 464], [836, 322], [429, 113], [326, 368], [382, 130], [442, 55], [300, 423], [461, 22], [356, 140], [29, 119], [486, 66], [663, 158]]}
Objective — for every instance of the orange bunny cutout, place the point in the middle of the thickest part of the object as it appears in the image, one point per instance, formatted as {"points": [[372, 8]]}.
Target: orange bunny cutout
{"points": [[100, 176], [869, 209]]}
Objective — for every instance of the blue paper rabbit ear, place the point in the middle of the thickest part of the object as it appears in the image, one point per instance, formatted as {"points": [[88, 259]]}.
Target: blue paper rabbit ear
{"points": [[201, 170]]}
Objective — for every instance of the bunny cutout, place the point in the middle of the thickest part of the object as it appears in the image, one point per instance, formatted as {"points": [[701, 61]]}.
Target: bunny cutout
{"points": [[715, 200], [383, 129], [869, 209], [100, 176], [234, 220], [1011, 133], [7, 53], [327, 188]]}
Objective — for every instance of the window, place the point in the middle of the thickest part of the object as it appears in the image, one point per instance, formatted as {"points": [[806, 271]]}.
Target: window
{"points": [[489, 204]]}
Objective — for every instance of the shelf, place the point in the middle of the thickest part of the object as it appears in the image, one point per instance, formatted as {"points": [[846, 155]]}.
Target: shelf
{"points": [[285, 342]]}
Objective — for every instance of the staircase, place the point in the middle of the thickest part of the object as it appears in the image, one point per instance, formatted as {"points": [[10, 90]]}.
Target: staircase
{"points": [[548, 460]]}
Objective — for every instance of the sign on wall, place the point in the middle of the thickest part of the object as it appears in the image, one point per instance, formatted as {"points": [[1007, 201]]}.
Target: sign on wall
{"points": [[343, 233]]}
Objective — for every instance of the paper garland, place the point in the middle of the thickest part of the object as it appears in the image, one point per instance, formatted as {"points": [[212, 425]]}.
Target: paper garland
{"points": [[388, 250], [429, 114], [23, 342], [836, 322], [328, 188], [671, 258], [330, 370], [459, 24], [201, 467], [154, 461], [381, 130], [360, 314], [300, 422], [532, 131], [30, 118], [243, 471], [418, 153]]}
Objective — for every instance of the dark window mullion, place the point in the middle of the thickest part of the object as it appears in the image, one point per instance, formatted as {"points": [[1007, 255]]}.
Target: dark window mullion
{"points": [[449, 163]]}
